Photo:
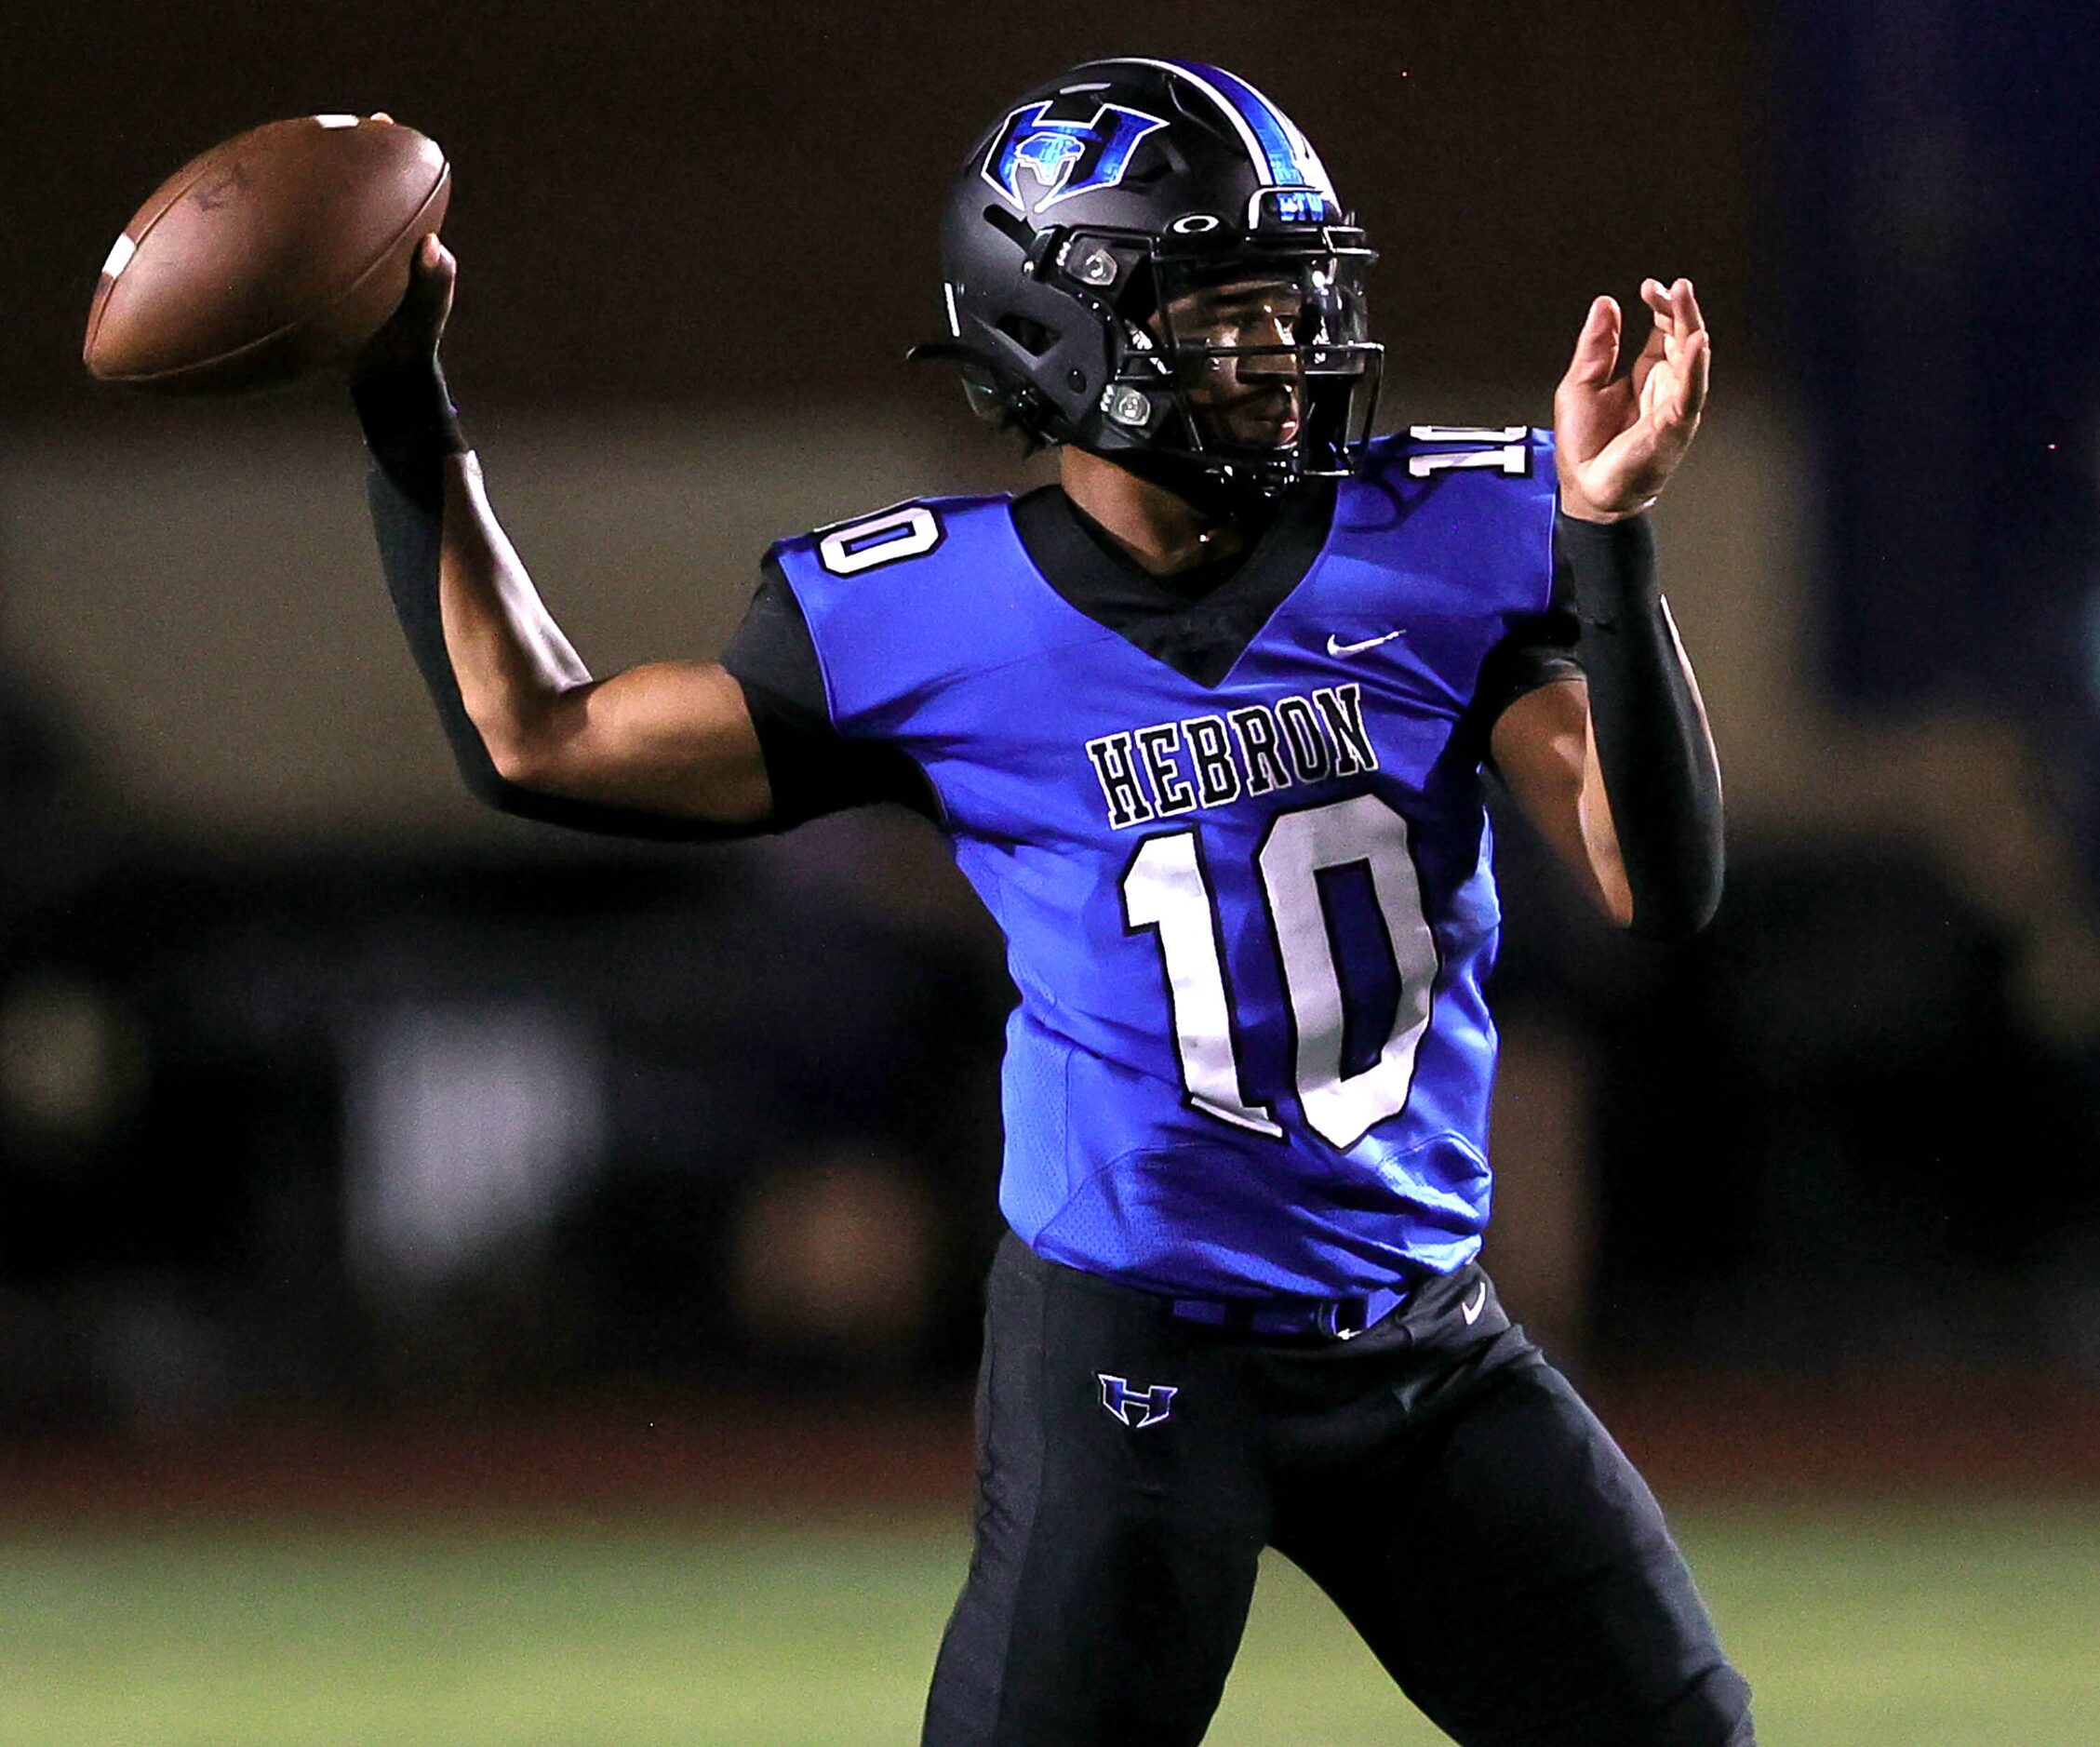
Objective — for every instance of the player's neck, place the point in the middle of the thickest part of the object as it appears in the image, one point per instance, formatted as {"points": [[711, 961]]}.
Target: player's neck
{"points": [[1162, 532]]}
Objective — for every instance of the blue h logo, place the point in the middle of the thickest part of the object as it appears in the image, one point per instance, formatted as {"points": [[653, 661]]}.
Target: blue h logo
{"points": [[1137, 1407], [1062, 158]]}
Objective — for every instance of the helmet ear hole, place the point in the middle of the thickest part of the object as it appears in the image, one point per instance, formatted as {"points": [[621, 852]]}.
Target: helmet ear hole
{"points": [[1014, 229], [1032, 337]]}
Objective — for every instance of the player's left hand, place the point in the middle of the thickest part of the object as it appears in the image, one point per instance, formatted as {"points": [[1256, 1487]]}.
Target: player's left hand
{"points": [[1617, 442]]}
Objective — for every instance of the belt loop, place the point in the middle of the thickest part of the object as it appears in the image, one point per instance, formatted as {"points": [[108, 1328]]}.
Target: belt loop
{"points": [[1341, 1318]]}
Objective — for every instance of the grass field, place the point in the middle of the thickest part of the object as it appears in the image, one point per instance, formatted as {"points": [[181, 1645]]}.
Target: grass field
{"points": [[1905, 1627]]}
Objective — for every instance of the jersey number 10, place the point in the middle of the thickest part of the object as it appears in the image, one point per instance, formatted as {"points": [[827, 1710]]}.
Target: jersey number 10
{"points": [[1167, 888]]}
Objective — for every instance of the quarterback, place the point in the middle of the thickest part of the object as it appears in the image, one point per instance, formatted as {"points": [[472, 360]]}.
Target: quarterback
{"points": [[1208, 724]]}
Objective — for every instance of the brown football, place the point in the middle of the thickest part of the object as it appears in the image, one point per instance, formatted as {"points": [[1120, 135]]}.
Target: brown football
{"points": [[273, 256]]}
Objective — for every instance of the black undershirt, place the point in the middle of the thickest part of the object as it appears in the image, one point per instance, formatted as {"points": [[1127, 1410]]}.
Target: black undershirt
{"points": [[811, 768], [1197, 621]]}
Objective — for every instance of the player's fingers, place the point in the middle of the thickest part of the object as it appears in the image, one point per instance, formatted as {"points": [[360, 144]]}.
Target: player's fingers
{"points": [[1684, 304], [1674, 397], [434, 259], [426, 302], [1661, 338], [1657, 295], [418, 322], [380, 115], [1661, 331], [1694, 369], [1597, 347], [430, 275]]}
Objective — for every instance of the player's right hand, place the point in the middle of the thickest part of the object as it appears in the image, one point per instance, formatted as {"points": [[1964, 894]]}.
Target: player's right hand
{"points": [[411, 333]]}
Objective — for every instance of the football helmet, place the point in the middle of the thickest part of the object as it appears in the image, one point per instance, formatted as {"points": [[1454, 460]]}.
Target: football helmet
{"points": [[1146, 259]]}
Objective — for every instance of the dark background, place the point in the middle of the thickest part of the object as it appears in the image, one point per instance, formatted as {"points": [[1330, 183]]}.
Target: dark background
{"points": [[680, 203]]}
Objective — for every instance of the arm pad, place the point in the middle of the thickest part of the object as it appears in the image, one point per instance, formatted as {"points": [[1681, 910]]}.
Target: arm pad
{"points": [[1660, 773]]}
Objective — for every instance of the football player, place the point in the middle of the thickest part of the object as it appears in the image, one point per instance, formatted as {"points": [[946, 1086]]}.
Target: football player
{"points": [[1208, 724]]}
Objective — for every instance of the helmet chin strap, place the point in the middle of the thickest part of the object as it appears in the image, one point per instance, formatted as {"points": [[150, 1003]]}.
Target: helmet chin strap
{"points": [[1224, 497]]}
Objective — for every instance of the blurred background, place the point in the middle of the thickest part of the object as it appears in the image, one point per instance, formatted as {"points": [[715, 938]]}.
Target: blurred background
{"points": [[368, 1158]]}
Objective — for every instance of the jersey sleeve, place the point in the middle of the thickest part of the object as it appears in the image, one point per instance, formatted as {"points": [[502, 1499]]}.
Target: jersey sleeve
{"points": [[811, 768], [1539, 650], [1538, 645]]}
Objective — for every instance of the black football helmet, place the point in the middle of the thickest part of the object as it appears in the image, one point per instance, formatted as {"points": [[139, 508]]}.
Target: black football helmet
{"points": [[1148, 260]]}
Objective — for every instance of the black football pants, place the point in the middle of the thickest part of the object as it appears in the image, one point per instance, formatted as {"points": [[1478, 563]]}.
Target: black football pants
{"points": [[1435, 1475]]}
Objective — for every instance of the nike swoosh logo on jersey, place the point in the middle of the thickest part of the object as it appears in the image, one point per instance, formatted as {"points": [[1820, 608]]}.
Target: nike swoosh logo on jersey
{"points": [[1334, 648], [1472, 1311]]}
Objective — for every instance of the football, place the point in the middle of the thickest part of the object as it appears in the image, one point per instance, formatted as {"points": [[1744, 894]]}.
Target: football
{"points": [[270, 257]]}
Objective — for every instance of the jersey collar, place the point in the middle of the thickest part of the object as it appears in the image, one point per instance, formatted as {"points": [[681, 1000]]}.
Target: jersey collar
{"points": [[1201, 637]]}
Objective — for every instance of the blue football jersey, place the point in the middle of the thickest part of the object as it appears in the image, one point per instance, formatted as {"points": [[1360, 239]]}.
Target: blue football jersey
{"points": [[1249, 911]]}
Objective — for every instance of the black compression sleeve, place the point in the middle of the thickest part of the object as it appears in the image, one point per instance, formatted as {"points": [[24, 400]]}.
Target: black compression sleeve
{"points": [[1660, 774], [411, 428]]}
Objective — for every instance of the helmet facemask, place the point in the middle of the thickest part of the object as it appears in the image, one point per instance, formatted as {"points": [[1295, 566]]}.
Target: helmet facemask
{"points": [[1273, 376], [1240, 367]]}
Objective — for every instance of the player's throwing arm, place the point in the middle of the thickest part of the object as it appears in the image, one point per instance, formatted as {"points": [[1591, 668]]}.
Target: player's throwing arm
{"points": [[663, 750], [311, 245]]}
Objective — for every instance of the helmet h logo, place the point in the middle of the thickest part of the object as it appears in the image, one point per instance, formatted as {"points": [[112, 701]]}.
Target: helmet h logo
{"points": [[1136, 1407], [1034, 162]]}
